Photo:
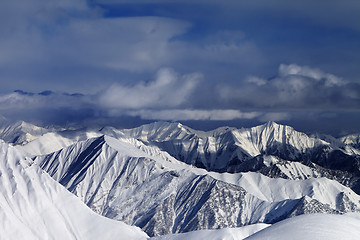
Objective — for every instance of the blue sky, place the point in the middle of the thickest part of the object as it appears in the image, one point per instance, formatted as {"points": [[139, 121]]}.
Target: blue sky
{"points": [[205, 63]]}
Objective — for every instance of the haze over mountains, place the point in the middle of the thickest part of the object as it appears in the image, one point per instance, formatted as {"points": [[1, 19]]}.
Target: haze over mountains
{"points": [[167, 178]]}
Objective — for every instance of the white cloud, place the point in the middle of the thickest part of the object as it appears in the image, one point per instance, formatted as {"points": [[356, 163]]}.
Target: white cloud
{"points": [[16, 101], [169, 89], [194, 114], [295, 86], [315, 74], [275, 116], [256, 80]]}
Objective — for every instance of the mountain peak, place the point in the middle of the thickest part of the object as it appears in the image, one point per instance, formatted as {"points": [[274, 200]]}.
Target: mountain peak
{"points": [[272, 124]]}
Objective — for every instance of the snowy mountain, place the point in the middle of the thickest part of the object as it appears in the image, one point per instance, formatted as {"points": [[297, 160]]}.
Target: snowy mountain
{"points": [[352, 140], [112, 176], [239, 150], [226, 149], [34, 206], [168, 178], [19, 132]]}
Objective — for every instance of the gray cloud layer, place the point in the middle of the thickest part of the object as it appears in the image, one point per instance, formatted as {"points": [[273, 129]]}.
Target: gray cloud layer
{"points": [[172, 96]]}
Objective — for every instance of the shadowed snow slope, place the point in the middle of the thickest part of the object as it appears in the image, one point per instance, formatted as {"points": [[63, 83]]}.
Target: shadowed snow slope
{"points": [[34, 206], [314, 226]]}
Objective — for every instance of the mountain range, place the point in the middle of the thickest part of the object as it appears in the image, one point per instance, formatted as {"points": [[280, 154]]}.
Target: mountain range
{"points": [[167, 178]]}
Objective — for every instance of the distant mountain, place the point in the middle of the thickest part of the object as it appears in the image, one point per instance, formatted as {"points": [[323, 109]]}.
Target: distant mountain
{"points": [[19, 132], [226, 149], [34, 206], [238, 150], [352, 140]]}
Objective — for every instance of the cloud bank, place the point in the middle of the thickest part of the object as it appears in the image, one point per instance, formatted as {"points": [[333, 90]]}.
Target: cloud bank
{"points": [[298, 95], [178, 97], [168, 89], [193, 114], [294, 87]]}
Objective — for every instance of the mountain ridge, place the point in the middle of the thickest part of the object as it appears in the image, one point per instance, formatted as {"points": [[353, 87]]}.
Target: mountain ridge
{"points": [[34, 206], [112, 176]]}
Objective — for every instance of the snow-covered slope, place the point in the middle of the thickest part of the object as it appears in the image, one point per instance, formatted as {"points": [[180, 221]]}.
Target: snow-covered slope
{"points": [[157, 176], [328, 192], [314, 226], [268, 165], [226, 149], [129, 181], [161, 131], [305, 227], [34, 206], [353, 141], [218, 234], [54, 141], [19, 132]]}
